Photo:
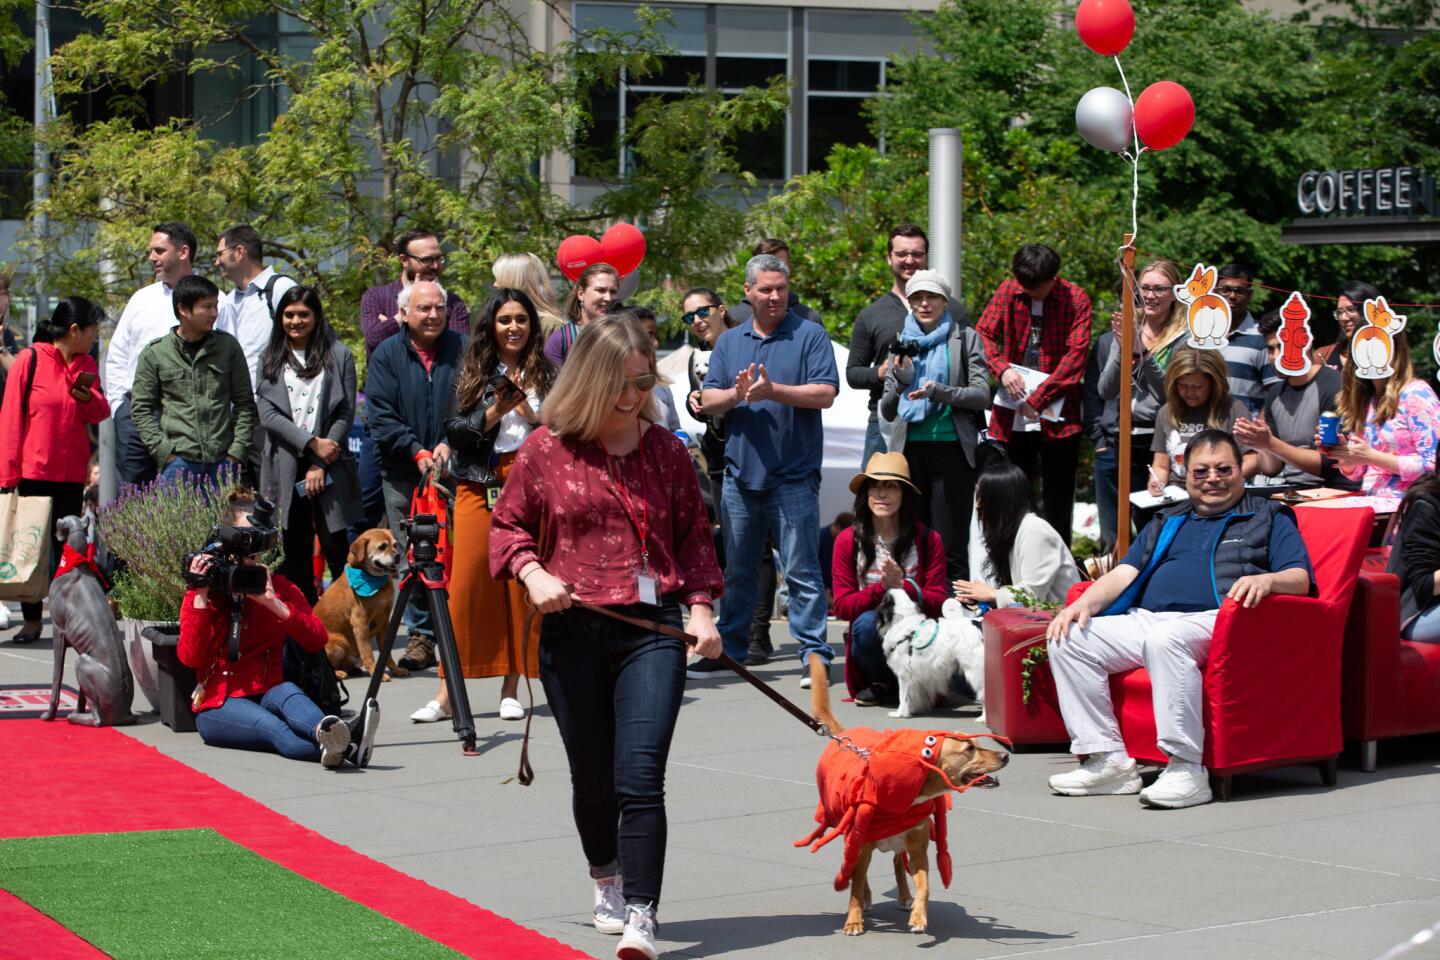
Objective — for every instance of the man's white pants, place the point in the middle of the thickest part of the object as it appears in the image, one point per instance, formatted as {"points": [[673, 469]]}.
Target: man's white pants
{"points": [[1172, 647]]}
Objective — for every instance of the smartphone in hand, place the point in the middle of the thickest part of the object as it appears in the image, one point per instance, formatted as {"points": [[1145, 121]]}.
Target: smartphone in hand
{"points": [[82, 389], [506, 390]]}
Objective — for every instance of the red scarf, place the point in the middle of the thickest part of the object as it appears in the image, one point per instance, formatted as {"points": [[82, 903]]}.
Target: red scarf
{"points": [[72, 559]]}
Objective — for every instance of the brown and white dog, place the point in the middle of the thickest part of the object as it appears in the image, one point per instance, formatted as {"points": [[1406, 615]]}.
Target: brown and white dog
{"points": [[357, 623], [878, 796]]}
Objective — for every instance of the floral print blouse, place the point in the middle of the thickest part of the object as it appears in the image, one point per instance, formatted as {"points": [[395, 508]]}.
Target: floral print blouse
{"points": [[591, 525], [1409, 435]]}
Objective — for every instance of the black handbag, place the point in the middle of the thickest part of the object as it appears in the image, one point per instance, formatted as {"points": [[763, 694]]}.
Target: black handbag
{"points": [[312, 673]]}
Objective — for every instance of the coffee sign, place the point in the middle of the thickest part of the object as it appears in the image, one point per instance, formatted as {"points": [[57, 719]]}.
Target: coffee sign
{"points": [[1373, 192]]}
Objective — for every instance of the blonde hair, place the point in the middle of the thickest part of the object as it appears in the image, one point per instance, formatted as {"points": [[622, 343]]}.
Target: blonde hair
{"points": [[1170, 270], [584, 393], [525, 271], [1209, 363], [1356, 393]]}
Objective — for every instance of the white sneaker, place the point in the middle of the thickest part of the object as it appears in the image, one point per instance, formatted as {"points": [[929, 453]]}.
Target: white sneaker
{"points": [[1180, 784], [638, 942], [1098, 776], [333, 737], [609, 905], [4, 616], [511, 709], [430, 713]]}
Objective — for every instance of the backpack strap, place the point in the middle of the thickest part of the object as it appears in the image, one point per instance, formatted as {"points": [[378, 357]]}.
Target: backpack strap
{"points": [[29, 385], [269, 291]]}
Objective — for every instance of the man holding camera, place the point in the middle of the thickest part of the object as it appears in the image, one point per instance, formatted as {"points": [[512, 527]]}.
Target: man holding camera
{"points": [[409, 385], [242, 699]]}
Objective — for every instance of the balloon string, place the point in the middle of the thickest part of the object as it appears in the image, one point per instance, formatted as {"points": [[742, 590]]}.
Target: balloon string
{"points": [[1134, 159]]}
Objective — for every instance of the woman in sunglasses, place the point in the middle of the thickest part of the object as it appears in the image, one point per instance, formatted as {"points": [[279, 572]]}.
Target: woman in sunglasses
{"points": [[707, 318], [624, 529]]}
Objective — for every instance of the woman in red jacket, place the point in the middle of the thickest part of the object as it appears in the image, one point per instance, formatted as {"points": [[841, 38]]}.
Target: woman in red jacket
{"points": [[886, 549], [44, 448], [247, 703]]}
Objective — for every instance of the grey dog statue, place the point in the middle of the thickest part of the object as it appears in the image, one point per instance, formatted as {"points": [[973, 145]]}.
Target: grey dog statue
{"points": [[83, 620]]}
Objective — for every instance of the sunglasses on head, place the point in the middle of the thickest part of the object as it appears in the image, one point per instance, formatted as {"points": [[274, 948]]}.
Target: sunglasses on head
{"points": [[701, 313], [646, 381]]}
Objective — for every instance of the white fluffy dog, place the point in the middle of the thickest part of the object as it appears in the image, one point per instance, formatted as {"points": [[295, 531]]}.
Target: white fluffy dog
{"points": [[925, 653]]}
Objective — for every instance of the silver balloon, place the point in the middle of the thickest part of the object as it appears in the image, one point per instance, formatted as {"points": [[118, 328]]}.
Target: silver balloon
{"points": [[628, 285], [1105, 119]]}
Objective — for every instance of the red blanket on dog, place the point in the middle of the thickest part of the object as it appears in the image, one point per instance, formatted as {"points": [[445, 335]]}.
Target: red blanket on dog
{"points": [[868, 791]]}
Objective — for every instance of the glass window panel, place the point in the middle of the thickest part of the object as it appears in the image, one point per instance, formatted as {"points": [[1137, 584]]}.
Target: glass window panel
{"points": [[674, 72], [848, 76], [832, 120], [762, 151], [685, 32], [745, 30], [597, 149], [731, 72], [857, 33]]}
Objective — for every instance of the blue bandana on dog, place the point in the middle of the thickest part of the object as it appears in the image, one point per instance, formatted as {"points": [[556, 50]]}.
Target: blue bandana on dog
{"points": [[364, 584]]}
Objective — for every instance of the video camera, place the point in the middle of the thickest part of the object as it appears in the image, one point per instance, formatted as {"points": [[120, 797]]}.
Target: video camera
{"points": [[230, 546]]}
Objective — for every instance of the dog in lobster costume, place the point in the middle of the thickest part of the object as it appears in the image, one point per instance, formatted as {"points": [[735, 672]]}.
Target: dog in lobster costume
{"points": [[889, 790]]}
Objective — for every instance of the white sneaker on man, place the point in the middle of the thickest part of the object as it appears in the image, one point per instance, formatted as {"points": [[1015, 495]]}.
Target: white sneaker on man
{"points": [[609, 905], [1180, 784], [1101, 775], [638, 941]]}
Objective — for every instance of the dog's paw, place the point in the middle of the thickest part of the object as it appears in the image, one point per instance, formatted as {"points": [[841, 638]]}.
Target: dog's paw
{"points": [[917, 928], [900, 714], [384, 678], [342, 675], [399, 672], [853, 928]]}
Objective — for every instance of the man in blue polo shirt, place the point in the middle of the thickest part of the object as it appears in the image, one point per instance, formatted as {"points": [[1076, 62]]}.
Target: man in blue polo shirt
{"points": [[1157, 609], [771, 376]]}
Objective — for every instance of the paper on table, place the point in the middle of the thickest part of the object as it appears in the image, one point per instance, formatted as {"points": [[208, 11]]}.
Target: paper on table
{"points": [[1033, 379], [1145, 499]]}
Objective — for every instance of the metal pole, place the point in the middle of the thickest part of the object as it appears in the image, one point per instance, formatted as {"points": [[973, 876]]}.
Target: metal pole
{"points": [[946, 206], [1127, 367], [44, 114]]}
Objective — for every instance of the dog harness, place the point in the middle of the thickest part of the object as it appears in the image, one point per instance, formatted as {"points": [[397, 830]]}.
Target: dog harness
{"points": [[868, 782], [363, 583]]}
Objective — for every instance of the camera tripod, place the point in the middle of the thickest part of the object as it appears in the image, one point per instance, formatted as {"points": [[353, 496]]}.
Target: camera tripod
{"points": [[426, 573]]}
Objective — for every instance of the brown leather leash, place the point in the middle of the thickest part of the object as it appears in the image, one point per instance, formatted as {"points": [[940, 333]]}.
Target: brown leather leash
{"points": [[526, 775]]}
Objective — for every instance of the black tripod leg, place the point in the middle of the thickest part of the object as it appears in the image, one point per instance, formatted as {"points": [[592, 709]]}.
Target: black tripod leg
{"points": [[387, 643], [450, 658]]}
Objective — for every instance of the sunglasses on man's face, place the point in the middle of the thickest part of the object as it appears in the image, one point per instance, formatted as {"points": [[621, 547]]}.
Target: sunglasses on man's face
{"points": [[646, 381], [1203, 473], [699, 313]]}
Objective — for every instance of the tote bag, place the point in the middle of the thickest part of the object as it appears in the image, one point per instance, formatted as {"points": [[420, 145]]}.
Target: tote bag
{"points": [[24, 547]]}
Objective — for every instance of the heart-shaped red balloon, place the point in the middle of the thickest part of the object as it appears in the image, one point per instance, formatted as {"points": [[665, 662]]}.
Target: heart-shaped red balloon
{"points": [[576, 253]]}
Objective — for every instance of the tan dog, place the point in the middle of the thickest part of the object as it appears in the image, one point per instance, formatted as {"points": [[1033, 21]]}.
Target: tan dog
{"points": [[357, 623], [952, 761]]}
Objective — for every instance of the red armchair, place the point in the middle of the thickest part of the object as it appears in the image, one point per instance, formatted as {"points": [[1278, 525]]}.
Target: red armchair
{"points": [[1272, 682]]}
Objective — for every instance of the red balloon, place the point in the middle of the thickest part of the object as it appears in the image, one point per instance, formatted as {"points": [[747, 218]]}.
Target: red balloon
{"points": [[623, 247], [576, 253], [1164, 114], [1105, 26]]}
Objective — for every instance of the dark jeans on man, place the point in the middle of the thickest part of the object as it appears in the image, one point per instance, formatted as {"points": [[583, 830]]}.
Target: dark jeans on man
{"points": [[1107, 484], [301, 529], [947, 496], [1053, 464], [132, 460], [372, 489], [615, 691], [194, 469], [282, 720], [874, 441], [66, 500], [398, 492]]}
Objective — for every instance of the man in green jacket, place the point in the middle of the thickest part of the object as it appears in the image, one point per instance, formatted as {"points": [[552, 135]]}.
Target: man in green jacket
{"points": [[192, 400]]}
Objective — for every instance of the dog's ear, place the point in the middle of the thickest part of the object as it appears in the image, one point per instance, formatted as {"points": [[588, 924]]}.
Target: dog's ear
{"points": [[358, 550]]}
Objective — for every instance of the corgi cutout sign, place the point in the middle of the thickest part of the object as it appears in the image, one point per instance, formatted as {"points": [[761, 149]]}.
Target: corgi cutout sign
{"points": [[1209, 313], [1296, 339], [1372, 346]]}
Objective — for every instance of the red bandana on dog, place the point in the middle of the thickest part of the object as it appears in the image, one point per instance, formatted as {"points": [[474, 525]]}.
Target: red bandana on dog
{"points": [[868, 791], [71, 559]]}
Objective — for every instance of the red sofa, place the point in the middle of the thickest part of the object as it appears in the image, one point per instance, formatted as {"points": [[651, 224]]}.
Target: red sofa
{"points": [[1272, 682]]}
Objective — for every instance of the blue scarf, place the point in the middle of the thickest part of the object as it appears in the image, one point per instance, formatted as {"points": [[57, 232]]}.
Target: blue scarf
{"points": [[364, 584], [931, 363]]}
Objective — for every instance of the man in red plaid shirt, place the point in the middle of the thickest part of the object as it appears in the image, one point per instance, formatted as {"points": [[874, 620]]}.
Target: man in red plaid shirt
{"points": [[1040, 321]]}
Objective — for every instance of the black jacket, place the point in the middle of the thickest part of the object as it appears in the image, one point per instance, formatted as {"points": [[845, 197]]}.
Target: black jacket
{"points": [[407, 405], [472, 447], [1415, 556]]}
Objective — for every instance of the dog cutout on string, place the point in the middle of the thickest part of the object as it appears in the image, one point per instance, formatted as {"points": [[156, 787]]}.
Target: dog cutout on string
{"points": [[1207, 313], [1372, 345], [1296, 338]]}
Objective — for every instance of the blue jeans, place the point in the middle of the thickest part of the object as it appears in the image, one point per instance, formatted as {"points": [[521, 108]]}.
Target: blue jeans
{"points": [[874, 441], [790, 515], [1425, 628], [372, 490], [1107, 493], [132, 461], [867, 652], [282, 720], [615, 691], [398, 492], [179, 467]]}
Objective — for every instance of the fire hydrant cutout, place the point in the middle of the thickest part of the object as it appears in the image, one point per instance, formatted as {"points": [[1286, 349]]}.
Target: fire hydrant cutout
{"points": [[1209, 313], [1372, 346], [1295, 337]]}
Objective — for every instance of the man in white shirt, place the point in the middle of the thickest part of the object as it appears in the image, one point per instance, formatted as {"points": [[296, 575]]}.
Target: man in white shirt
{"points": [[247, 312], [148, 316]]}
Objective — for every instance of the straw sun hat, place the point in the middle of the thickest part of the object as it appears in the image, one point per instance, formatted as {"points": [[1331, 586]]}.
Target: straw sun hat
{"points": [[884, 466]]}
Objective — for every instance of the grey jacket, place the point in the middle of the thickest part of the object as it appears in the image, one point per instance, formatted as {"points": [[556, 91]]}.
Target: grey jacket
{"points": [[1148, 394], [284, 460], [968, 394]]}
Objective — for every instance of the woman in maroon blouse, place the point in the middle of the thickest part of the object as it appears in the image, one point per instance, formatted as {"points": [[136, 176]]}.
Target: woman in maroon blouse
{"points": [[625, 528]]}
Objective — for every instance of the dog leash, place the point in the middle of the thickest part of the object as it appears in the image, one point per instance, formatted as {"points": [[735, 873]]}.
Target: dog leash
{"points": [[526, 775]]}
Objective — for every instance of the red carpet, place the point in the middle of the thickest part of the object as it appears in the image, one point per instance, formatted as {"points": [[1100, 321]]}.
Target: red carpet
{"points": [[135, 787]]}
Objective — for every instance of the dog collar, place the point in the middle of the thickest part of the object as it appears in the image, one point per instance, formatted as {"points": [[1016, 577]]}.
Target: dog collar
{"points": [[934, 632], [364, 584]]}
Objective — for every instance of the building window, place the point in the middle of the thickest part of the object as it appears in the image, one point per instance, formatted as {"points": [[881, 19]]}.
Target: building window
{"points": [[836, 91]]}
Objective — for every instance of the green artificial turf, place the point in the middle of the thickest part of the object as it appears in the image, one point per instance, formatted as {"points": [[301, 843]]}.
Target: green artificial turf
{"points": [[194, 894]]}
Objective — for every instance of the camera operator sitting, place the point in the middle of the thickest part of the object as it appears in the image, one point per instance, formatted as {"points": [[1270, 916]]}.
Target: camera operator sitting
{"points": [[245, 702]]}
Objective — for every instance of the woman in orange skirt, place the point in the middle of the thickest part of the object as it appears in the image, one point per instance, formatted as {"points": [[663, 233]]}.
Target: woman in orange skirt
{"points": [[498, 391]]}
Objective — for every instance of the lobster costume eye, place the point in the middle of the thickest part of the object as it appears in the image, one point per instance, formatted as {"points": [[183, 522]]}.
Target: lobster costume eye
{"points": [[930, 741], [927, 753]]}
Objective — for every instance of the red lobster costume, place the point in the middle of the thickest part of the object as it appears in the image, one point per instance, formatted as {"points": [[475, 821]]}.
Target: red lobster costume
{"points": [[868, 788]]}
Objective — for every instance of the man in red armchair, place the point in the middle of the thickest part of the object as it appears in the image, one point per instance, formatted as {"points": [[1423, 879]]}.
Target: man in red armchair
{"points": [[1157, 609]]}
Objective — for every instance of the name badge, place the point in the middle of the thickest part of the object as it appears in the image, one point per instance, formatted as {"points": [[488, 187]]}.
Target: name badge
{"points": [[648, 588], [492, 496]]}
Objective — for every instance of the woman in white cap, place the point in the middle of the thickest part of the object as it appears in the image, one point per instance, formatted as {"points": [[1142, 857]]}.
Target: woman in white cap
{"points": [[932, 407]]}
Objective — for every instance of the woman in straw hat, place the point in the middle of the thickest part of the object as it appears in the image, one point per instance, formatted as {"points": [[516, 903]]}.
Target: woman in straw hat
{"points": [[886, 549]]}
